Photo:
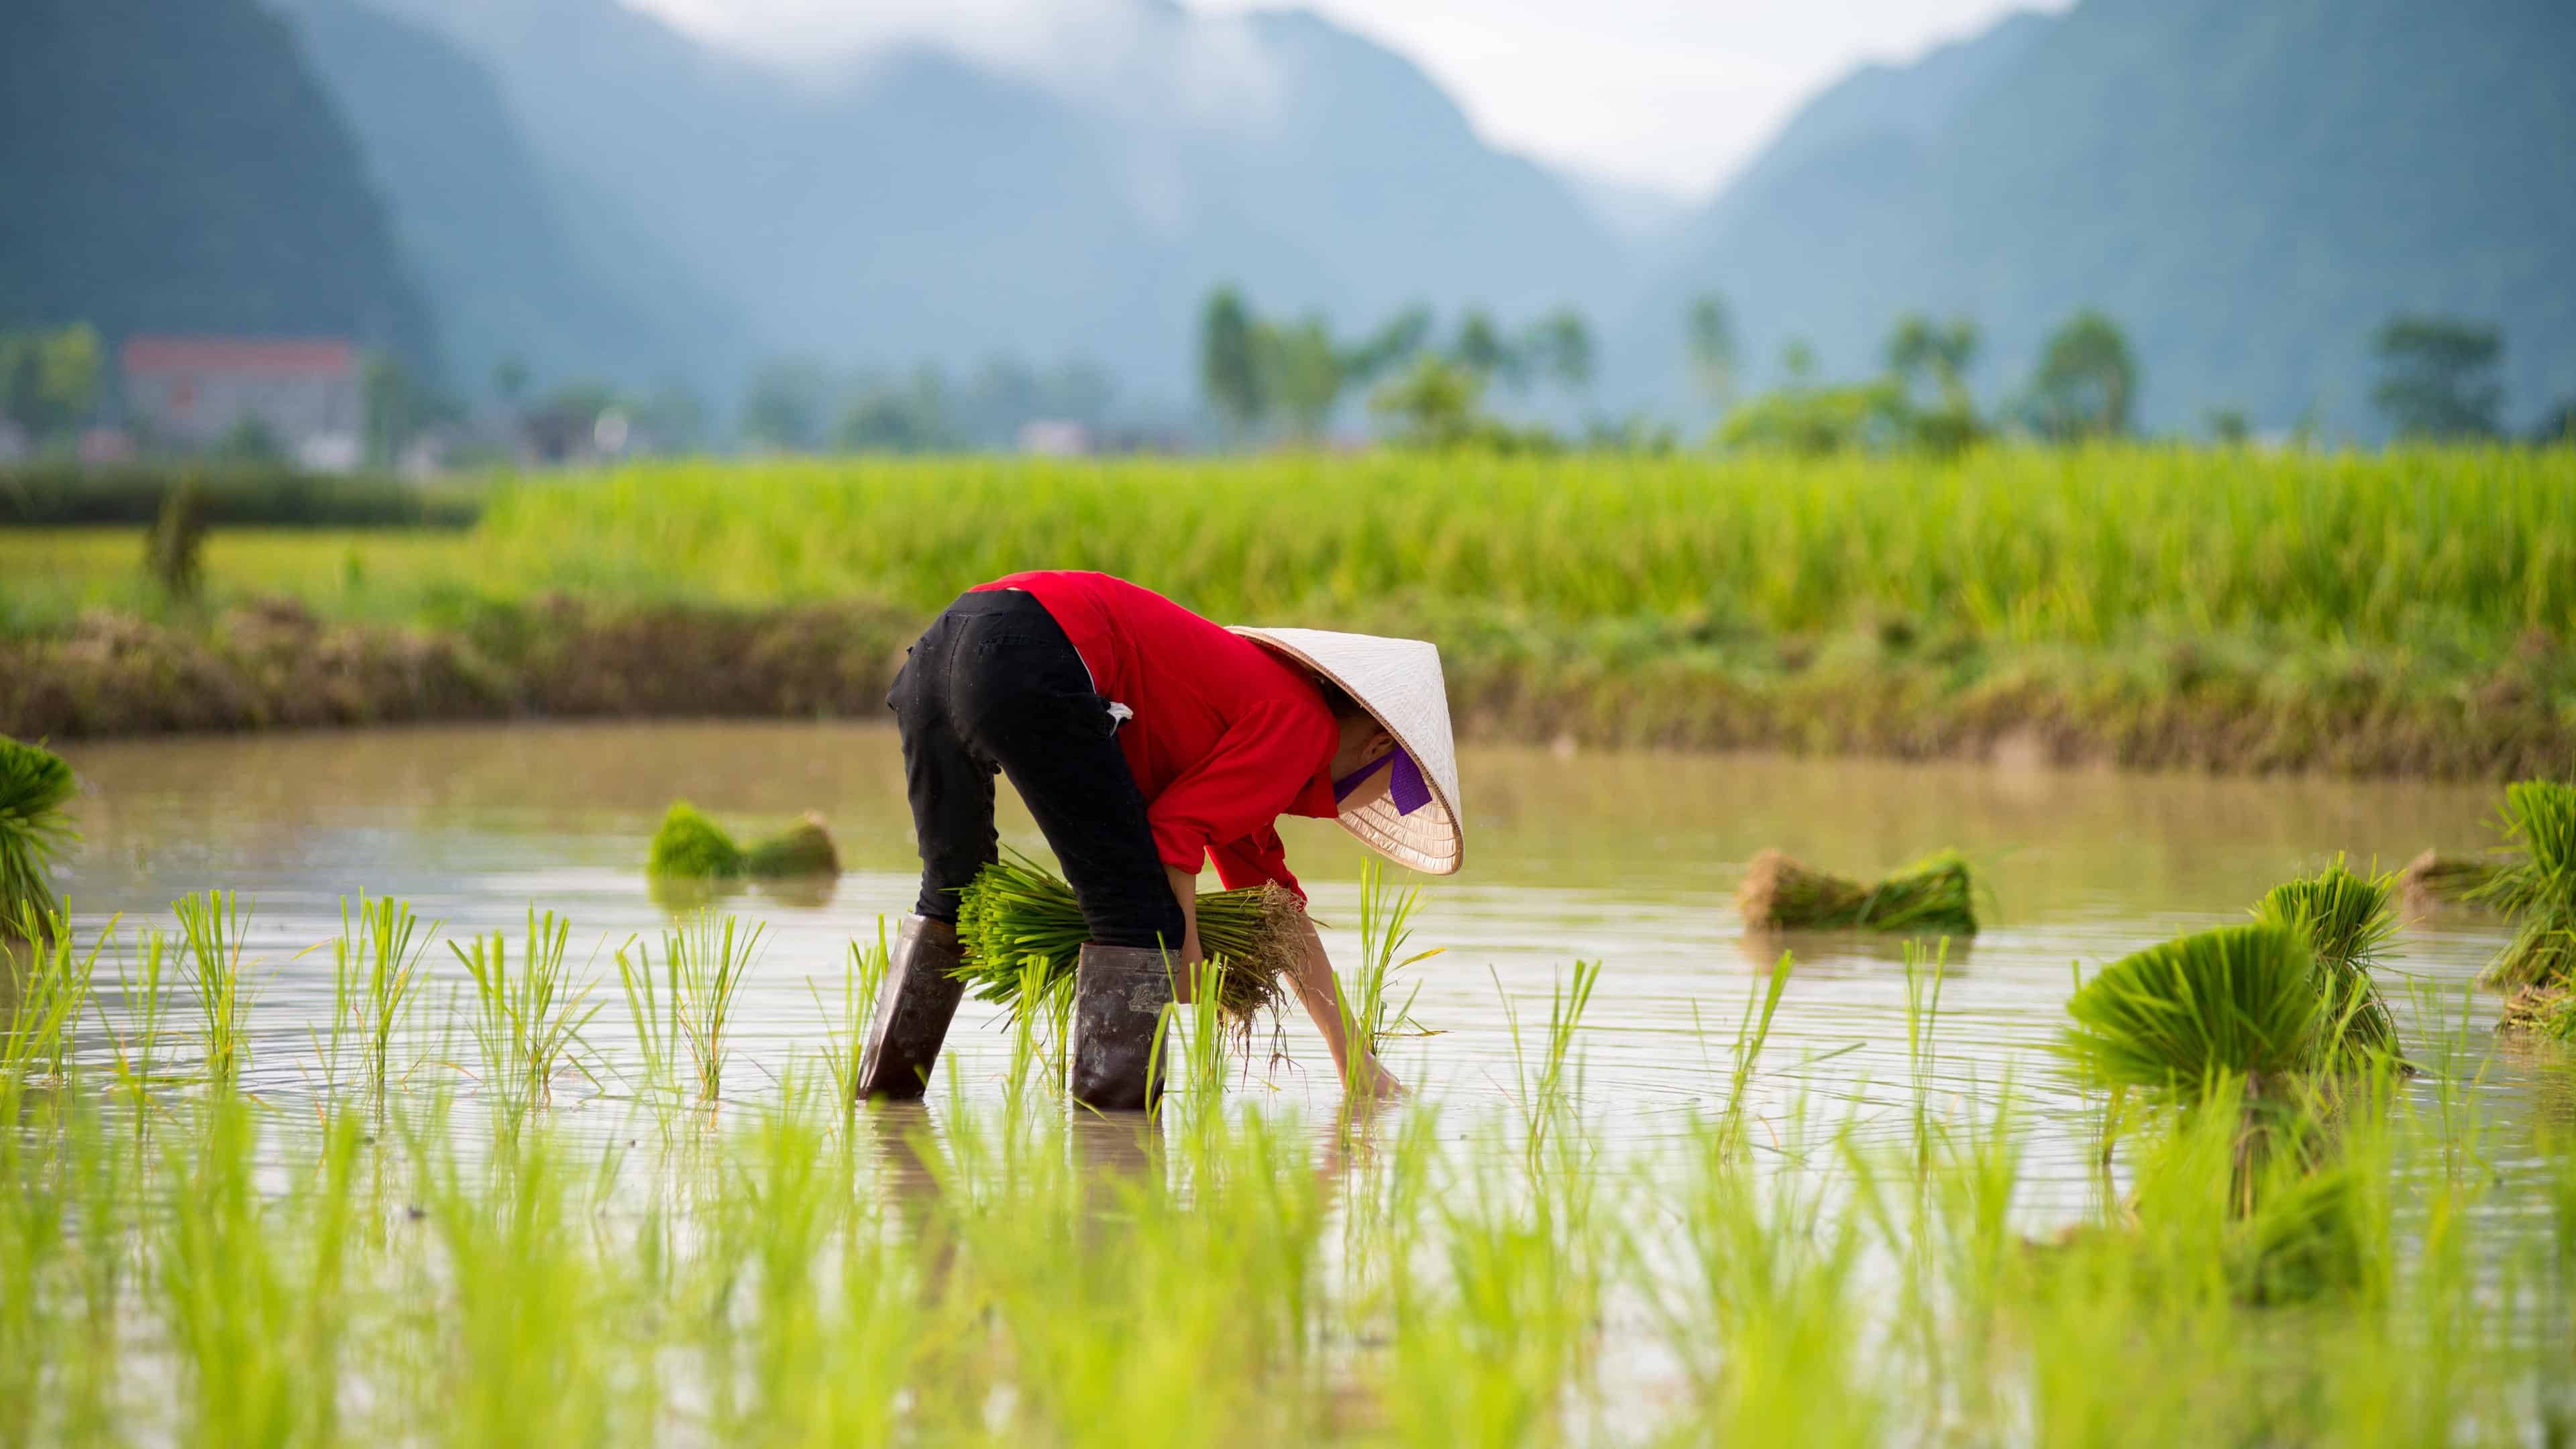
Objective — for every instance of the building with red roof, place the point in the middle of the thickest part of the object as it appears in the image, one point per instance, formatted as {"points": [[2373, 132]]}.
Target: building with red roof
{"points": [[197, 391]]}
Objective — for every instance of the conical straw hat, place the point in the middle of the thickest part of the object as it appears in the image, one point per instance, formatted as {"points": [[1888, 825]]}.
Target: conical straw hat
{"points": [[1399, 682]]}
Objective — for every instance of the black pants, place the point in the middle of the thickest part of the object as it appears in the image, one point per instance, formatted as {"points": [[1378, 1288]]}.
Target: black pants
{"points": [[994, 686]]}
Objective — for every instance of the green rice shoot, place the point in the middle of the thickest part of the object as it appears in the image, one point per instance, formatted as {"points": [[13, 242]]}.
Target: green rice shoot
{"points": [[1934, 896], [2537, 892], [34, 786], [2347, 921], [1019, 913]]}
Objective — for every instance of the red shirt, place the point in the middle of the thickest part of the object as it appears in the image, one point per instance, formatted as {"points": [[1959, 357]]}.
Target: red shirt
{"points": [[1226, 737]]}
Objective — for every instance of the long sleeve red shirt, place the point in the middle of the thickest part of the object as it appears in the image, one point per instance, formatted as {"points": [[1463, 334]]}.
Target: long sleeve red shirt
{"points": [[1226, 737]]}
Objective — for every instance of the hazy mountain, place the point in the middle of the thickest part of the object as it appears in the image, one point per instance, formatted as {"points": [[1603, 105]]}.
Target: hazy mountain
{"points": [[170, 166], [2249, 189], [517, 262], [913, 203]]}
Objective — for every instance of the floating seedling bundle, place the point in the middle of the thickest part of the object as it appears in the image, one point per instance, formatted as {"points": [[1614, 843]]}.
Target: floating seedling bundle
{"points": [[689, 846], [1934, 896], [1019, 915], [2537, 892], [2434, 879], [34, 786]]}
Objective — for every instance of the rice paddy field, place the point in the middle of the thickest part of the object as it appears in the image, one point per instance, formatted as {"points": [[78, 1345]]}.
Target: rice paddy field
{"points": [[486, 1175]]}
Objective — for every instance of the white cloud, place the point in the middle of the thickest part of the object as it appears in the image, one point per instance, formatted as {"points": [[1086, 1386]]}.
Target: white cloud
{"points": [[1667, 93]]}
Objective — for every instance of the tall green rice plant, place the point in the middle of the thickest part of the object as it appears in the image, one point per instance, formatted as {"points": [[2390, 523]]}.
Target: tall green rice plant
{"points": [[46, 991], [845, 1032], [2347, 920], [35, 784], [1371, 1015], [708, 957], [528, 1019], [1550, 1076], [135, 1039], [213, 927], [375, 977], [2538, 890]]}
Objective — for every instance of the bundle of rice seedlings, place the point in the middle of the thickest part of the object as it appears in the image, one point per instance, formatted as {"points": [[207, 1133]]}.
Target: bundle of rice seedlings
{"points": [[1018, 913], [2545, 1009], [2538, 890], [2176, 1017], [1934, 896], [689, 846], [2433, 879], [2346, 919], [803, 849], [34, 786]]}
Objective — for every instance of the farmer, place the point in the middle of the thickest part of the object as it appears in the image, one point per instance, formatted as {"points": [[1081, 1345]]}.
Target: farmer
{"points": [[1146, 740]]}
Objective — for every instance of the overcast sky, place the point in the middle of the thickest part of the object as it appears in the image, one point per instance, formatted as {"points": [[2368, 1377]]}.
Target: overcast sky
{"points": [[1668, 93]]}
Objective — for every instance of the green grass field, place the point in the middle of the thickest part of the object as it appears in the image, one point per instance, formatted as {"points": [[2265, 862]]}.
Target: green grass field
{"points": [[2023, 545], [2442, 576]]}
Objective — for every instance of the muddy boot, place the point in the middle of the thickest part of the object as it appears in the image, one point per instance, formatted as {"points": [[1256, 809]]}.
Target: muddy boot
{"points": [[914, 1008], [1119, 993]]}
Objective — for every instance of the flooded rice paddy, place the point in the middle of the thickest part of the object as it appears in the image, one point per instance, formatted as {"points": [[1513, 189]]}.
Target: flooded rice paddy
{"points": [[1875, 1249], [1629, 860]]}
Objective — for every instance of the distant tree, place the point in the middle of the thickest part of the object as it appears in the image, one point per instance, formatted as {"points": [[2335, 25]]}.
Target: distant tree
{"points": [[2086, 382], [785, 407], [1395, 342], [897, 417], [1437, 404], [2228, 426], [1798, 359], [2437, 377], [1708, 332], [1814, 421], [1921, 350], [1559, 347], [1303, 373], [1482, 349], [1230, 363], [49, 380]]}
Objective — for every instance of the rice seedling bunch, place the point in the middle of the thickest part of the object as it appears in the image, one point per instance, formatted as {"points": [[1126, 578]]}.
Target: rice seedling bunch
{"points": [[689, 846], [2346, 919], [1018, 912], [2177, 1017], [803, 849], [2434, 879], [34, 786], [1934, 896], [2538, 890]]}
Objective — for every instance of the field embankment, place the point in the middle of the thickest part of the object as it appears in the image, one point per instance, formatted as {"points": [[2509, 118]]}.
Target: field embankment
{"points": [[2405, 614]]}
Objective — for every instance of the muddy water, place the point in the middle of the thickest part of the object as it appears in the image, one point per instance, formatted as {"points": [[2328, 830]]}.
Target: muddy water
{"points": [[1625, 859]]}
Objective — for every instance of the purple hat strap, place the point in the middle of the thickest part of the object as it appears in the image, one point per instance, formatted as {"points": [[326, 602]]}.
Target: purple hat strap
{"points": [[1405, 787]]}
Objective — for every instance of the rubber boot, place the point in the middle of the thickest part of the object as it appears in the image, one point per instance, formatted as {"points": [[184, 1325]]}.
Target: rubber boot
{"points": [[914, 1007], [1119, 993]]}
